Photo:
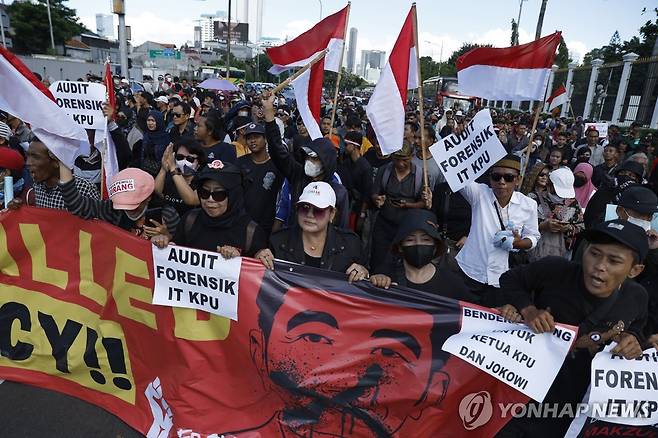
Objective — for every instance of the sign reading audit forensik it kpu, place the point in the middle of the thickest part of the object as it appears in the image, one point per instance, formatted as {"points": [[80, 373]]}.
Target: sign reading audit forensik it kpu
{"points": [[464, 157], [83, 101], [196, 279], [511, 352]]}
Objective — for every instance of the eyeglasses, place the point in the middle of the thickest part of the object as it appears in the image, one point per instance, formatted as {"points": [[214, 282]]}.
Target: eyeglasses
{"points": [[541, 174], [217, 195], [318, 213], [190, 158], [498, 176], [178, 114]]}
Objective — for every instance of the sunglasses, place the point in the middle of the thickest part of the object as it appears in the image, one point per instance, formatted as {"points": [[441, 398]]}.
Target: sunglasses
{"points": [[541, 174], [318, 213], [178, 114], [508, 177], [217, 195], [189, 158]]}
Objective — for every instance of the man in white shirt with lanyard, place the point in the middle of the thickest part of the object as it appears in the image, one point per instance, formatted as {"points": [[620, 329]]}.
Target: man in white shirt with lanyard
{"points": [[502, 221]]}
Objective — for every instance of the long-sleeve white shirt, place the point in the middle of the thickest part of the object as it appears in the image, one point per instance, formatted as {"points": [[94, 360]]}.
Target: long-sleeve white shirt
{"points": [[479, 258]]}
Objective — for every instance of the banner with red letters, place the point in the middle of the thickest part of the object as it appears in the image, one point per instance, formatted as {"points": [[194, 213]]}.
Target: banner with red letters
{"points": [[309, 354]]}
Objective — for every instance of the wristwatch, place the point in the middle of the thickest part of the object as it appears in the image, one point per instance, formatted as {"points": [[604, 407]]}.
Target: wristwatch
{"points": [[174, 172]]}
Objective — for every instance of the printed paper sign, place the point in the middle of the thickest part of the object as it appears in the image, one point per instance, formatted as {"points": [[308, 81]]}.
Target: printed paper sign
{"points": [[511, 352], [196, 279], [463, 157], [625, 390], [601, 127], [83, 101]]}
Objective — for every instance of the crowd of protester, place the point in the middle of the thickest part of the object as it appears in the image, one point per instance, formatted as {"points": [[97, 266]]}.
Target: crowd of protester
{"points": [[239, 174]]}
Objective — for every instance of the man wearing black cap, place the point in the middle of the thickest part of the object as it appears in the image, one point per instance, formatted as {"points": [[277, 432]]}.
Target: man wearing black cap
{"points": [[262, 180], [599, 297], [628, 174], [502, 221]]}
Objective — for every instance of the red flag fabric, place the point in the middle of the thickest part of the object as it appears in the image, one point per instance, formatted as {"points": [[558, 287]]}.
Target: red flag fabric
{"points": [[510, 73], [559, 97], [386, 108], [109, 87]]}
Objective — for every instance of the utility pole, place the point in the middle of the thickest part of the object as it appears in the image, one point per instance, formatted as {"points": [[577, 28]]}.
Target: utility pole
{"points": [[540, 20], [50, 24], [518, 22], [228, 44], [119, 8], [2, 26]]}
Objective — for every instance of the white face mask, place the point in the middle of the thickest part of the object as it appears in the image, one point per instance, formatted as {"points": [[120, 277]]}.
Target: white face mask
{"points": [[537, 143], [645, 225], [186, 168], [312, 169]]}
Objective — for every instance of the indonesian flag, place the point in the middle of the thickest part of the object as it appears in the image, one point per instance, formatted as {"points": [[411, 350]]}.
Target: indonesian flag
{"points": [[110, 162], [25, 97], [327, 34], [386, 108], [559, 97], [512, 73]]}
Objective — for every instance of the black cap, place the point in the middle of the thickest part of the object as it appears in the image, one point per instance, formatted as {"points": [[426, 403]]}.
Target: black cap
{"points": [[414, 220], [227, 174], [255, 128], [640, 199], [634, 167], [624, 232]]}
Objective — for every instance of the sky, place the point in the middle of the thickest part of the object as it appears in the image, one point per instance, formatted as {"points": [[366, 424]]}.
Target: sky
{"points": [[585, 24]]}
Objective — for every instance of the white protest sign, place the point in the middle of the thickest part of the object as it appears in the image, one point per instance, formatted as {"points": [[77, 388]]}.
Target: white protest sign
{"points": [[601, 127], [463, 157], [511, 352], [624, 391], [196, 279], [83, 101]]}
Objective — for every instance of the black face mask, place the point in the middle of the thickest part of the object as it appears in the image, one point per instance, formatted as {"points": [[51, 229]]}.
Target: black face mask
{"points": [[622, 179], [418, 255], [579, 181]]}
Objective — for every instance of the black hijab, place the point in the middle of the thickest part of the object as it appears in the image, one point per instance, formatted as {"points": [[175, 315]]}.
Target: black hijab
{"points": [[230, 178]]}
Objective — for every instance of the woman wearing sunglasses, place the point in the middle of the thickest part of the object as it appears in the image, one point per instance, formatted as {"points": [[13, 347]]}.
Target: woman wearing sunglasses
{"points": [[221, 224], [180, 163], [313, 240]]}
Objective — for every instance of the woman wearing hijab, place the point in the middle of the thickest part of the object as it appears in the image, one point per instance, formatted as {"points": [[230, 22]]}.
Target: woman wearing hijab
{"points": [[313, 240], [155, 141], [583, 183], [420, 260], [221, 224]]}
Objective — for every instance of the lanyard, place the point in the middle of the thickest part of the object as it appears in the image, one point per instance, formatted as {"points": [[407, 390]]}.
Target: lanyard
{"points": [[500, 217]]}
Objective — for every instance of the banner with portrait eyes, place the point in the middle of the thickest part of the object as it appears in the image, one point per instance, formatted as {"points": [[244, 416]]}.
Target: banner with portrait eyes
{"points": [[307, 353]]}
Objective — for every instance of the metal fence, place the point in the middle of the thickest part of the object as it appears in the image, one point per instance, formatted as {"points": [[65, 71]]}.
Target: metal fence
{"points": [[642, 92]]}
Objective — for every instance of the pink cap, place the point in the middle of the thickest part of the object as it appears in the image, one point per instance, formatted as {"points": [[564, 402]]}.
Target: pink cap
{"points": [[129, 188]]}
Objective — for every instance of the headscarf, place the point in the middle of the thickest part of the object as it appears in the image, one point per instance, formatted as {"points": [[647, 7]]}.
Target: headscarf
{"points": [[155, 142], [230, 178], [584, 193]]}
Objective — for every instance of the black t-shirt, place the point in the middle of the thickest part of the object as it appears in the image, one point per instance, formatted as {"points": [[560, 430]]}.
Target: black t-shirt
{"points": [[375, 160], [172, 197], [262, 183], [221, 151], [200, 236], [312, 261], [444, 282], [357, 179]]}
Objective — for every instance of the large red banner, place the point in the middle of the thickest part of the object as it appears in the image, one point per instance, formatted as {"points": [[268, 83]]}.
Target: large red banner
{"points": [[310, 354]]}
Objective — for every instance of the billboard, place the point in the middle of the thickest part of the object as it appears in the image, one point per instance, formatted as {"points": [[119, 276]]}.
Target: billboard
{"points": [[239, 31]]}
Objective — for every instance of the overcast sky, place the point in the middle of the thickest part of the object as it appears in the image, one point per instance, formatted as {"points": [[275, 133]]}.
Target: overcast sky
{"points": [[585, 24]]}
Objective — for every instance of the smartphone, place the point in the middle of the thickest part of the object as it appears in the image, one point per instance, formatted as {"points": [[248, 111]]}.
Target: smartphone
{"points": [[153, 214]]}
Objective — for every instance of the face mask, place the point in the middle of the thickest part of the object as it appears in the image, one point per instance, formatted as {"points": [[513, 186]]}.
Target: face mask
{"points": [[134, 219], [186, 168], [537, 143], [418, 255], [645, 225], [579, 181], [622, 179], [312, 169]]}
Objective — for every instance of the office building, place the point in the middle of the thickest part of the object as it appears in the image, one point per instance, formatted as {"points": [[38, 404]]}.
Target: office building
{"points": [[372, 59], [351, 50]]}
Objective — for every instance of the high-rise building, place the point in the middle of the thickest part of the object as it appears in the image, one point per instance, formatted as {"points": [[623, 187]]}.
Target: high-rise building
{"points": [[207, 25], [372, 59], [351, 50], [245, 11], [198, 41], [105, 25]]}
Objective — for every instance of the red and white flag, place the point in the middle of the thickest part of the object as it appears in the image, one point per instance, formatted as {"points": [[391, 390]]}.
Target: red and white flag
{"points": [[110, 162], [25, 97], [511, 73], [327, 34], [386, 108], [559, 97]]}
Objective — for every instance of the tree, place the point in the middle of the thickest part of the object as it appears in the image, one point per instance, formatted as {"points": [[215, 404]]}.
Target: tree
{"points": [[30, 25], [562, 58], [348, 81], [514, 40], [450, 66], [428, 67]]}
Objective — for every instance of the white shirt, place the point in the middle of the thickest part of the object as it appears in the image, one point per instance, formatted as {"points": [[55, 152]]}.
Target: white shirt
{"points": [[479, 258]]}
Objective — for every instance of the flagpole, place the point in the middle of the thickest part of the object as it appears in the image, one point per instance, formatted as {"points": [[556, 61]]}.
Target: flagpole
{"points": [[340, 71], [420, 99], [532, 133], [104, 193], [298, 73]]}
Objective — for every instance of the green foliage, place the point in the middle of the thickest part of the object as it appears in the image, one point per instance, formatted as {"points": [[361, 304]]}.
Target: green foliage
{"points": [[514, 39], [348, 81], [450, 67], [31, 32], [562, 58]]}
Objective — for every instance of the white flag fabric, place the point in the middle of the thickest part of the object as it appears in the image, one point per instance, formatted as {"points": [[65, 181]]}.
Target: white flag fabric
{"points": [[300, 86]]}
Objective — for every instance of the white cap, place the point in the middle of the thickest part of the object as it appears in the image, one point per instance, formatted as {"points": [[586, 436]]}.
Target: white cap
{"points": [[459, 113], [562, 180], [162, 99], [124, 81], [318, 194]]}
